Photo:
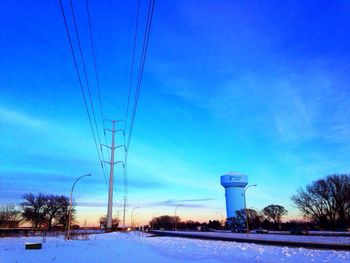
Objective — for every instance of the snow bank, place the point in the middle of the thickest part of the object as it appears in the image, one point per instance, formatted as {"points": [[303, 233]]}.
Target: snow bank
{"points": [[294, 238], [122, 247]]}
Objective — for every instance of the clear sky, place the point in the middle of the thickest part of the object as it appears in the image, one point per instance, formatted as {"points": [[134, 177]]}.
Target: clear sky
{"points": [[259, 87]]}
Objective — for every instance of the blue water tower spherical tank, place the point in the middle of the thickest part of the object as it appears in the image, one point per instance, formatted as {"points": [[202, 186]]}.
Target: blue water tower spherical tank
{"points": [[234, 184]]}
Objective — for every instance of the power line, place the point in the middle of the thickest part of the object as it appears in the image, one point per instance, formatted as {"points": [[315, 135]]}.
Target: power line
{"points": [[98, 86], [138, 84], [137, 91], [132, 64], [95, 69], [125, 173], [141, 68], [81, 85], [138, 87], [85, 73]]}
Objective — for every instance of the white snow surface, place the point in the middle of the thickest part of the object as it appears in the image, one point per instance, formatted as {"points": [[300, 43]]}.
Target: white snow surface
{"points": [[134, 247], [292, 238]]}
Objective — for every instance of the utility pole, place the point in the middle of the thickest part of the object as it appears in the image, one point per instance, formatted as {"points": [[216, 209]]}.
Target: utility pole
{"points": [[125, 180], [111, 173], [124, 211], [111, 178]]}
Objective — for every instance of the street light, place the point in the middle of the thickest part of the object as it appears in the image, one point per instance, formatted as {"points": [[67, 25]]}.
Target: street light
{"points": [[118, 211], [245, 206], [70, 203], [132, 212], [134, 219], [175, 215]]}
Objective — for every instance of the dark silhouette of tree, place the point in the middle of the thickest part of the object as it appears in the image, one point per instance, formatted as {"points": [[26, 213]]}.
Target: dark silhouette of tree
{"points": [[215, 224], [63, 213], [326, 201], [189, 224], [164, 222], [10, 216], [57, 208], [52, 208], [255, 218], [239, 220], [103, 222], [34, 209], [46, 210], [275, 213]]}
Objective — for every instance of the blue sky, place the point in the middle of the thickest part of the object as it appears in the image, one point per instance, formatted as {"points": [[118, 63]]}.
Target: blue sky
{"points": [[255, 87]]}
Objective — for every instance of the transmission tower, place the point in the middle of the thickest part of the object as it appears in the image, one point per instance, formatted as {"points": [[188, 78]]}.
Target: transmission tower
{"points": [[111, 171]]}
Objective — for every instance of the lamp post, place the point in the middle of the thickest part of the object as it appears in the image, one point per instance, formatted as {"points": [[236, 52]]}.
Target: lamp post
{"points": [[134, 219], [175, 216], [132, 212], [245, 206], [70, 203], [118, 211]]}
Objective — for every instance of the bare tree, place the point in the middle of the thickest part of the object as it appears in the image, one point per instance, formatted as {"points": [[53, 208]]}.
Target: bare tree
{"points": [[275, 213], [46, 209], [165, 222], [34, 209], [240, 220], [55, 208], [63, 213], [10, 216], [52, 208], [103, 222], [326, 201]]}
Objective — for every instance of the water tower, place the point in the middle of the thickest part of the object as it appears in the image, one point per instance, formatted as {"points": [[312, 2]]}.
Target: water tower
{"points": [[234, 184]]}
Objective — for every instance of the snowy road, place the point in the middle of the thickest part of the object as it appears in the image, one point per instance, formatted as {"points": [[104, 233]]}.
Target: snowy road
{"points": [[278, 237], [122, 247]]}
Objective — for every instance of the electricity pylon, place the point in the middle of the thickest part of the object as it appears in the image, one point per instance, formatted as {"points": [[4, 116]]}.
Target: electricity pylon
{"points": [[111, 171]]}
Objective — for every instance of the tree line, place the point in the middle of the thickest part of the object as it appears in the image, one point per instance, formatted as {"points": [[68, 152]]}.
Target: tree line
{"points": [[268, 217], [41, 211], [326, 202]]}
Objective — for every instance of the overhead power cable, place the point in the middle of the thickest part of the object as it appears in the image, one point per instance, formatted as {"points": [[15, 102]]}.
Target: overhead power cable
{"points": [[98, 84], [84, 69], [141, 68], [87, 81], [132, 64], [81, 85], [125, 173], [138, 86], [95, 69]]}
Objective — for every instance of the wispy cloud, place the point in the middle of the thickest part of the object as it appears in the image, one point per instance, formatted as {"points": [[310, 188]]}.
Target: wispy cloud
{"points": [[292, 118], [184, 202], [154, 163], [21, 119], [338, 133], [91, 204]]}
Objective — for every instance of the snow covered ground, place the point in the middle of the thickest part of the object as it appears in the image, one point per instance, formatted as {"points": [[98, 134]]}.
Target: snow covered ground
{"points": [[279, 237], [132, 247]]}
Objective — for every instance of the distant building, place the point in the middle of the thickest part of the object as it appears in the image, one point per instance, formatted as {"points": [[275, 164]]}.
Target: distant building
{"points": [[234, 184]]}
